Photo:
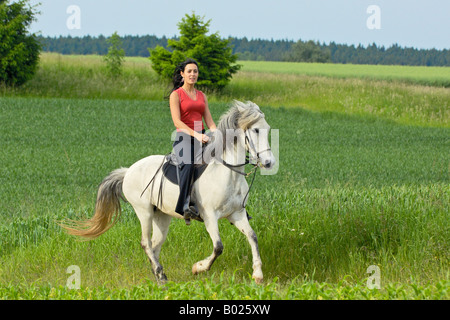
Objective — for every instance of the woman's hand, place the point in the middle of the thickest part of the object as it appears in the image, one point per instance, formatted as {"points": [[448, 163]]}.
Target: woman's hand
{"points": [[203, 138]]}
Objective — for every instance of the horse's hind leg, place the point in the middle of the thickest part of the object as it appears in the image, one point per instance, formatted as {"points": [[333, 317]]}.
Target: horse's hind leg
{"points": [[240, 220], [213, 229], [145, 216], [161, 224]]}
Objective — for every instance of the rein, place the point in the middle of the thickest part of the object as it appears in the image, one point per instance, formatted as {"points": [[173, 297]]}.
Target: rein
{"points": [[253, 171], [250, 145]]}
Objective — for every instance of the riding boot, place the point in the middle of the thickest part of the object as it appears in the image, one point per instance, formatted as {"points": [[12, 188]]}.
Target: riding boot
{"points": [[184, 205], [190, 211]]}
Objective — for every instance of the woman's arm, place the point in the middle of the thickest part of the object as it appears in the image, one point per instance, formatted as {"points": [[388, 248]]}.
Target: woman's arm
{"points": [[207, 115]]}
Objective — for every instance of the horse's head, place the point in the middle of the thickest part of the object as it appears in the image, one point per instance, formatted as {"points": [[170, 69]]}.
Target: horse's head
{"points": [[256, 129]]}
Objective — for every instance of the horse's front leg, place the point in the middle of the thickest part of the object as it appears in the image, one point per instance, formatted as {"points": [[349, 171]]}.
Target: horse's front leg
{"points": [[240, 221], [212, 227]]}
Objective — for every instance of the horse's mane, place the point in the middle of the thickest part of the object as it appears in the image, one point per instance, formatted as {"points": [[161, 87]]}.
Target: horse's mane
{"points": [[239, 116]]}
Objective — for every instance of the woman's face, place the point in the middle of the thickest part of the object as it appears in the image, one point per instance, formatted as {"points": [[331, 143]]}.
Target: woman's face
{"points": [[190, 74]]}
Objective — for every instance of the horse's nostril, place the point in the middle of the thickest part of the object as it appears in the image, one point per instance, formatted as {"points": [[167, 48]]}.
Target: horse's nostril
{"points": [[268, 164]]}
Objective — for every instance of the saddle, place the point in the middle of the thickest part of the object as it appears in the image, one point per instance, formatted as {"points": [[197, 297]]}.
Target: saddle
{"points": [[170, 172], [171, 165]]}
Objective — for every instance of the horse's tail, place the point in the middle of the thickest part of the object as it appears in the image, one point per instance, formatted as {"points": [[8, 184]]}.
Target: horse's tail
{"points": [[107, 208]]}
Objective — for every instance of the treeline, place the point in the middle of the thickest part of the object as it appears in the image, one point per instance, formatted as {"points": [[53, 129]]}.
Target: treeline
{"points": [[265, 50], [394, 55], [134, 46]]}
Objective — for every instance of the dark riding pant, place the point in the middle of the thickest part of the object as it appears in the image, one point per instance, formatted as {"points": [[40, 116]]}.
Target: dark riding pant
{"points": [[188, 151]]}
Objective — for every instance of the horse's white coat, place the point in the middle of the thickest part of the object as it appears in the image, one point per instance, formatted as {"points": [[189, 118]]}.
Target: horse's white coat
{"points": [[218, 193]]}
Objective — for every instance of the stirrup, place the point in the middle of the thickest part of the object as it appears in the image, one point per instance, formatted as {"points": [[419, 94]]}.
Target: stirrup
{"points": [[191, 212]]}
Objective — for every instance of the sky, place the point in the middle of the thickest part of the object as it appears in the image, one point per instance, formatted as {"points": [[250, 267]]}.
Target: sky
{"points": [[421, 24]]}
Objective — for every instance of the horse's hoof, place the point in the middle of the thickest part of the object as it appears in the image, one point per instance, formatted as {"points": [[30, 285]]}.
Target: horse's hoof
{"points": [[194, 269], [161, 282], [198, 267], [258, 280]]}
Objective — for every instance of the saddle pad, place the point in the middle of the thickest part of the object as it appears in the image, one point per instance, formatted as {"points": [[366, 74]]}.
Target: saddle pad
{"points": [[170, 172]]}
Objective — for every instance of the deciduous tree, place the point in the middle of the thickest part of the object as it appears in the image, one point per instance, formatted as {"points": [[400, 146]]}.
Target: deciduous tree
{"points": [[115, 56], [19, 49]]}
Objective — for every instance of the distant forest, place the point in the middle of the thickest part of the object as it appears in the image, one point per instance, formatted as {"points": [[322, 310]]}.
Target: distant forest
{"points": [[265, 50]]}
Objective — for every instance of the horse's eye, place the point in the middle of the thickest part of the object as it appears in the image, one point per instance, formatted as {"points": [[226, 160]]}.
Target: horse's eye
{"points": [[257, 130]]}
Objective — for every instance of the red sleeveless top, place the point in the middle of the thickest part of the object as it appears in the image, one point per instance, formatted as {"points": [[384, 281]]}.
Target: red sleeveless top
{"points": [[191, 111]]}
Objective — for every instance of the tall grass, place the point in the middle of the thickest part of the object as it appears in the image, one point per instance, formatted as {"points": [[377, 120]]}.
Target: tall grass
{"points": [[397, 101], [87, 77], [378, 91]]}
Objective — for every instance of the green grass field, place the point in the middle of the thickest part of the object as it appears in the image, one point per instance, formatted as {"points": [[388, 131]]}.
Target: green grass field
{"points": [[431, 76], [355, 188]]}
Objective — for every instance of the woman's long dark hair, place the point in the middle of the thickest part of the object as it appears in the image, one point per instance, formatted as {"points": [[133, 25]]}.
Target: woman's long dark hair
{"points": [[177, 79]]}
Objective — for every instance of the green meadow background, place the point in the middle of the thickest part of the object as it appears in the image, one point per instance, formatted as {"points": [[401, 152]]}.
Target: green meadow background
{"points": [[363, 181]]}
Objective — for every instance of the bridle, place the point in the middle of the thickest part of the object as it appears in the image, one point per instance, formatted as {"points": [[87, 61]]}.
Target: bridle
{"points": [[249, 146]]}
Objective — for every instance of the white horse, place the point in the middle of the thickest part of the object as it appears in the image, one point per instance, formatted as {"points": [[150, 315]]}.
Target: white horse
{"points": [[220, 192]]}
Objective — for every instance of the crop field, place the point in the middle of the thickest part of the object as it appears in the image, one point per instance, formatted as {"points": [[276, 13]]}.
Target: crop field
{"points": [[436, 76], [363, 181]]}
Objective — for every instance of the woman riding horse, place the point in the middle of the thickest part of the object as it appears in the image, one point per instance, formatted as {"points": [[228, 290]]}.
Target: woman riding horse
{"points": [[188, 107]]}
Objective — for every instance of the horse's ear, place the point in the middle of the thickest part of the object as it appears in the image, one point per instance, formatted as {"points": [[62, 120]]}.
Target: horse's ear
{"points": [[254, 105], [240, 105]]}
